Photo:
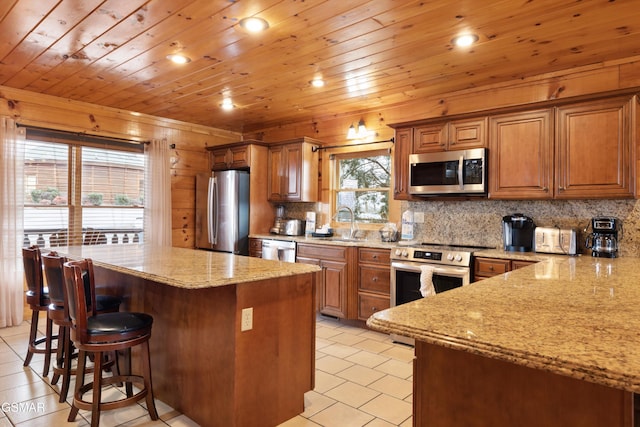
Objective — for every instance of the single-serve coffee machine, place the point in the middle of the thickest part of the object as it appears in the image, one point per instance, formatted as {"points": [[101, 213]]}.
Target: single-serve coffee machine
{"points": [[604, 239], [517, 233]]}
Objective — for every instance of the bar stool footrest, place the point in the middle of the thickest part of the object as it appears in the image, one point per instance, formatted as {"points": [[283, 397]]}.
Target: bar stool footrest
{"points": [[79, 403]]}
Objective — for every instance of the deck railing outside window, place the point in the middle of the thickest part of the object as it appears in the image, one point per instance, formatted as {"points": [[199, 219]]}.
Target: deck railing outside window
{"points": [[105, 236]]}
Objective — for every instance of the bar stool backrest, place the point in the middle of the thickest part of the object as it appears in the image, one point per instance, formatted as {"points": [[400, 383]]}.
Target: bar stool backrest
{"points": [[53, 271], [32, 262], [81, 305]]}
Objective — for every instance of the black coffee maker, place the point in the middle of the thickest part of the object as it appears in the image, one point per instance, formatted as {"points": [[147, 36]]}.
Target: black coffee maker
{"points": [[517, 233], [604, 239]]}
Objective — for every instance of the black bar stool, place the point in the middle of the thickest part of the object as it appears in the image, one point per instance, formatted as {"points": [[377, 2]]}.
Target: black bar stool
{"points": [[59, 313], [37, 297], [97, 334]]}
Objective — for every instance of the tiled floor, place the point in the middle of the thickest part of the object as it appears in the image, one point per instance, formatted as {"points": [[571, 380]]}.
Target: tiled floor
{"points": [[362, 379]]}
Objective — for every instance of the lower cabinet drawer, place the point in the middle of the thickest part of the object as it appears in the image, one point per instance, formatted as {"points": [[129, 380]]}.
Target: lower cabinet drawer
{"points": [[487, 267], [369, 304], [375, 279]]}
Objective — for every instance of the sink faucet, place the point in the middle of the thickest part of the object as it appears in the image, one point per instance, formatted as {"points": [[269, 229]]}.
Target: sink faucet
{"points": [[353, 230]]}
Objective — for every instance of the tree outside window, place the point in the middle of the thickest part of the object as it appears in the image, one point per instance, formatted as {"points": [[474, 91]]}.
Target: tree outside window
{"points": [[363, 183]]}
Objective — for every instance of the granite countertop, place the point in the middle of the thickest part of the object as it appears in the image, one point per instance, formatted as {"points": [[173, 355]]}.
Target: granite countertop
{"points": [[575, 316], [335, 240], [184, 268]]}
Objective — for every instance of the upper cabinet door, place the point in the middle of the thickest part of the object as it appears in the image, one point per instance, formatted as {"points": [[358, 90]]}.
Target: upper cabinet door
{"points": [[401, 150], [467, 134], [521, 155], [430, 138], [276, 171], [594, 149], [219, 159], [293, 172]]}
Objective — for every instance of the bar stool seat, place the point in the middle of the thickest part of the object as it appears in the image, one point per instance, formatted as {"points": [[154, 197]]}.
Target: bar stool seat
{"points": [[53, 268], [96, 334], [37, 297]]}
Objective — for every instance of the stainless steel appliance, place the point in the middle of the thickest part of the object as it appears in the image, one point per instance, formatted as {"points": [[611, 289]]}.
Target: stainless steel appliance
{"points": [[279, 250], [222, 211], [277, 225], [553, 240], [604, 239], [450, 268], [289, 227], [517, 233], [448, 173]]}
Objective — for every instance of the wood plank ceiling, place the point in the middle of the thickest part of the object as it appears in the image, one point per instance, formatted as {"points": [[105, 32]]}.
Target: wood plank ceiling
{"points": [[370, 53]]}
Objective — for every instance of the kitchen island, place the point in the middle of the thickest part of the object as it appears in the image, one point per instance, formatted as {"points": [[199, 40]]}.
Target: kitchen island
{"points": [[554, 344], [203, 363]]}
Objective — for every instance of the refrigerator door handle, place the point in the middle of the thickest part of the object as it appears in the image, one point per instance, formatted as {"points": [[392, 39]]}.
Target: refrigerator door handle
{"points": [[212, 216]]}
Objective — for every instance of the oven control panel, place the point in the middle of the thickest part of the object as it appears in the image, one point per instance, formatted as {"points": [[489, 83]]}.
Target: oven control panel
{"points": [[433, 256]]}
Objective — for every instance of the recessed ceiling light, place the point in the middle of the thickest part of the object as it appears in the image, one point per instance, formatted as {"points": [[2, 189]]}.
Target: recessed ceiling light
{"points": [[178, 59], [254, 24], [465, 40], [227, 104], [317, 82]]}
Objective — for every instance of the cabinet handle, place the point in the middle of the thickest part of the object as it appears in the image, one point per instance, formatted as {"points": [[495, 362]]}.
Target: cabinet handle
{"points": [[491, 268], [373, 309], [375, 257], [375, 279]]}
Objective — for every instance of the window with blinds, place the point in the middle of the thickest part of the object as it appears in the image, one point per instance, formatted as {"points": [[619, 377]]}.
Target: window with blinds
{"points": [[82, 190]]}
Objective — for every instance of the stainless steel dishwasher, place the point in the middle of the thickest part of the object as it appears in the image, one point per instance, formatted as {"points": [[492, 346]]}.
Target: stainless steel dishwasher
{"points": [[280, 250]]}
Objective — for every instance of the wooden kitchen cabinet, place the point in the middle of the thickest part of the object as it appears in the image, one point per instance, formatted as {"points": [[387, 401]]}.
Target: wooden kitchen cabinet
{"points": [[465, 134], [293, 171], [594, 149], [429, 138], [231, 157], [255, 247], [521, 155], [461, 134], [489, 267], [573, 151], [335, 276], [401, 149], [374, 277]]}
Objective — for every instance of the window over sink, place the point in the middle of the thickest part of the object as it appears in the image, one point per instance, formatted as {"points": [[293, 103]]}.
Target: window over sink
{"points": [[361, 182]]}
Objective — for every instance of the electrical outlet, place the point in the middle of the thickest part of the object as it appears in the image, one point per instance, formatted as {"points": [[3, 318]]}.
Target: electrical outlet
{"points": [[418, 217], [247, 319]]}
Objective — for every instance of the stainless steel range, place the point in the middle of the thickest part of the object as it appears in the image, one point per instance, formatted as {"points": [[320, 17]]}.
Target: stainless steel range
{"points": [[441, 267]]}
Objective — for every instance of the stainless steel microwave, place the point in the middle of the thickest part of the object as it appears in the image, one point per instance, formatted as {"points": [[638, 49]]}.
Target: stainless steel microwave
{"points": [[448, 173]]}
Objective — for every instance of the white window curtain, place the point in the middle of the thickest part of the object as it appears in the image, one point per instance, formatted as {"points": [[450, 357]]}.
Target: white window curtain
{"points": [[157, 210], [11, 227]]}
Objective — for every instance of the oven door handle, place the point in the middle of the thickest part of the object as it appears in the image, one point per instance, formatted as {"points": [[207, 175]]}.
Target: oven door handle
{"points": [[449, 270]]}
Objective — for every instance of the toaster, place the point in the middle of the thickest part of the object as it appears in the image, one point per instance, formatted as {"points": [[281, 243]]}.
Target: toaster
{"points": [[553, 240]]}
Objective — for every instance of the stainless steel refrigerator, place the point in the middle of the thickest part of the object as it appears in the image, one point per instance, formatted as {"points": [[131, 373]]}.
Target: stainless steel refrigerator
{"points": [[222, 211]]}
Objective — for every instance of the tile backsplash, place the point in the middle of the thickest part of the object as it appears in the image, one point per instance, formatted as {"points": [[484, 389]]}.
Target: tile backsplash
{"points": [[479, 222]]}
